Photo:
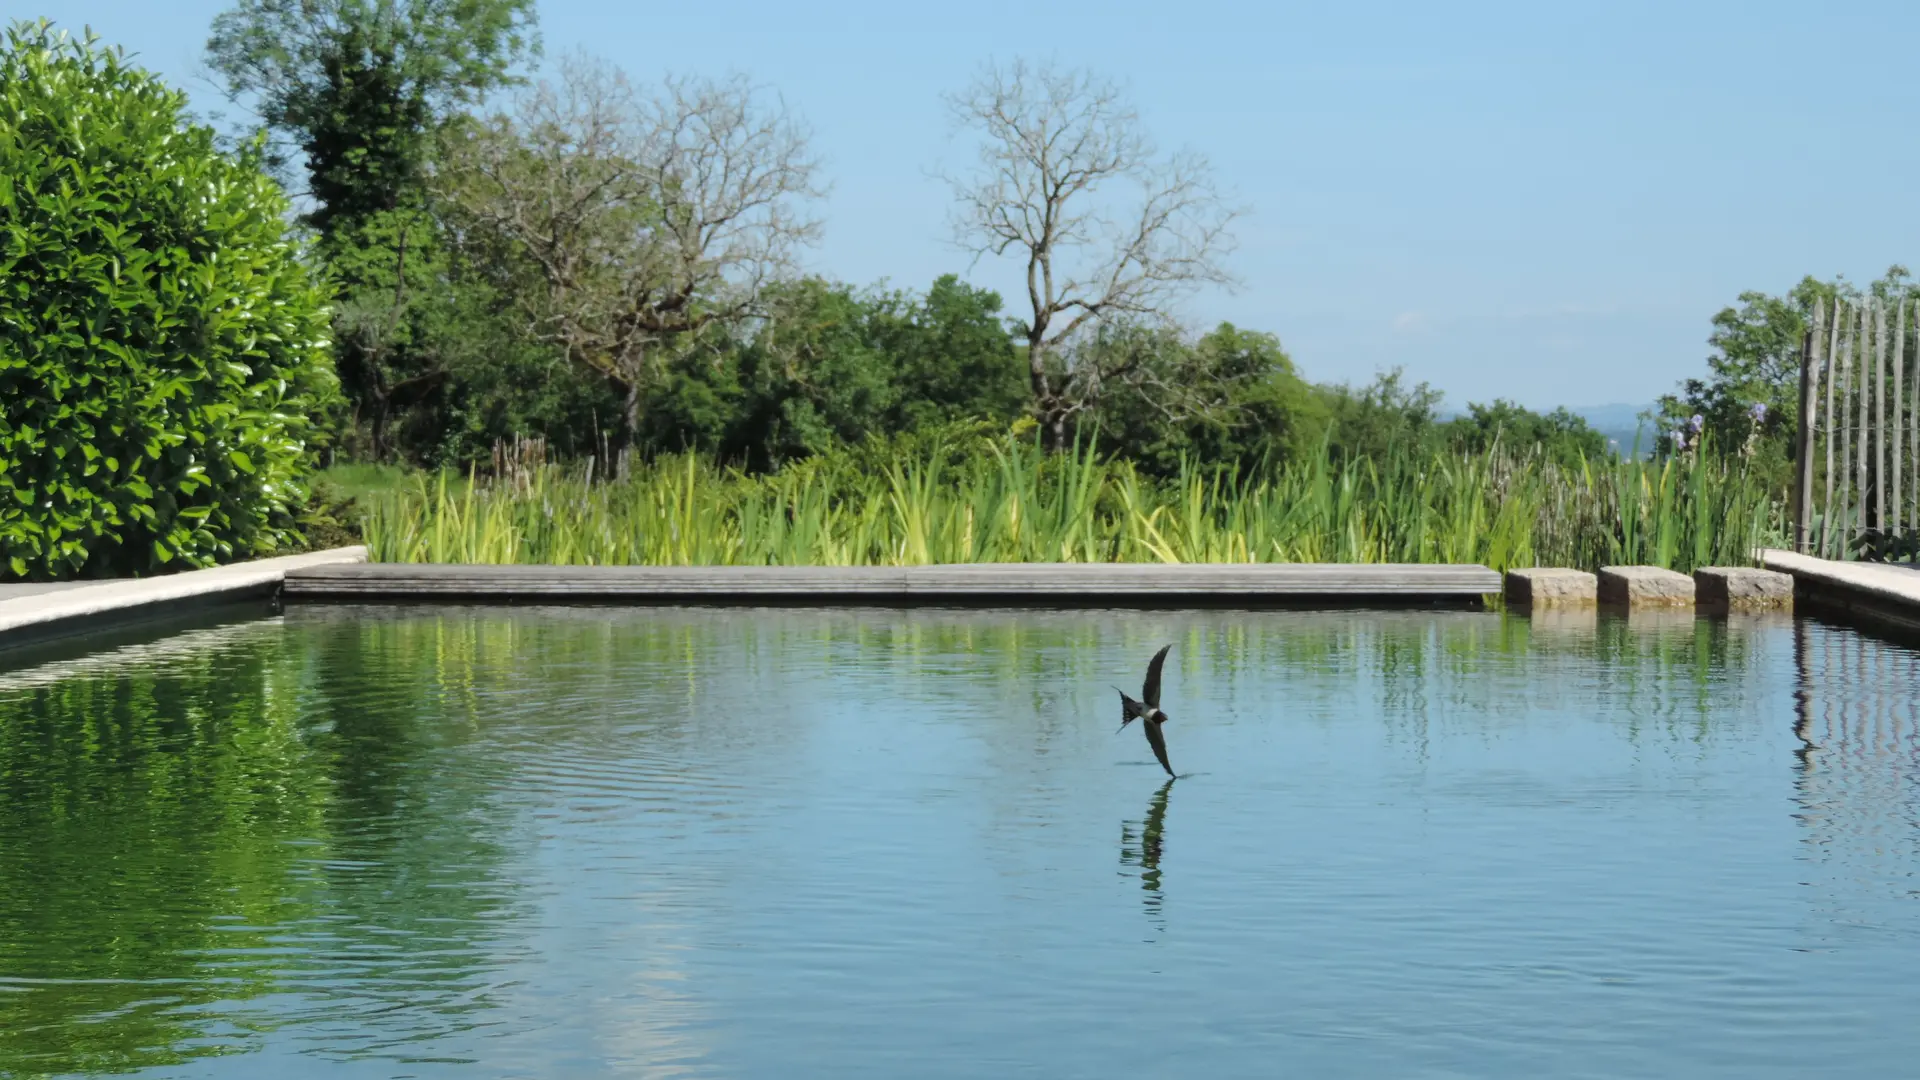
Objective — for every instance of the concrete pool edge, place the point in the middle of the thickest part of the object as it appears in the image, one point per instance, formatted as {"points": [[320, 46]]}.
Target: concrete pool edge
{"points": [[1884, 596], [85, 607], [1881, 596], [1079, 585]]}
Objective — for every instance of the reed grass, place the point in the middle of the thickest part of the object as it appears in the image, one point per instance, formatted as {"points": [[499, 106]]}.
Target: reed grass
{"points": [[988, 499]]}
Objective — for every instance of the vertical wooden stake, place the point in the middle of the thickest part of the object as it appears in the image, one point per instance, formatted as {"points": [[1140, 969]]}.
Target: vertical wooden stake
{"points": [[1857, 441], [1879, 463], [1832, 376], [1810, 357], [1899, 426]]}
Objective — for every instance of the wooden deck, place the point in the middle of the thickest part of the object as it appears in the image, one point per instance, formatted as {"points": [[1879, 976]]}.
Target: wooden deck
{"points": [[966, 585]]}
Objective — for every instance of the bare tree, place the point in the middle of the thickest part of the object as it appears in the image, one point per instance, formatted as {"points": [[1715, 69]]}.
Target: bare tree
{"points": [[621, 223], [1110, 230]]}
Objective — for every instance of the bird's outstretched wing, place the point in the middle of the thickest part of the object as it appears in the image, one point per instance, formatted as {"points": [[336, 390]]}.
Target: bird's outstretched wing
{"points": [[1150, 693], [1158, 741]]}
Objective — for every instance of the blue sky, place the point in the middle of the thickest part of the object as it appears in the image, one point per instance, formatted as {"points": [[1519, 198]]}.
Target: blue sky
{"points": [[1538, 201]]}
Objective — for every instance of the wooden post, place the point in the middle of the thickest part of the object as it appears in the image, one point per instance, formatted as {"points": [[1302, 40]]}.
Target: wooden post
{"points": [[1880, 416], [1862, 345], [1899, 400], [1833, 376], [1843, 464], [1913, 443], [1809, 388]]}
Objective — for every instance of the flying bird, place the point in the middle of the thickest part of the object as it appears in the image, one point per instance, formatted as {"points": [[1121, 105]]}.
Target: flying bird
{"points": [[1148, 711]]}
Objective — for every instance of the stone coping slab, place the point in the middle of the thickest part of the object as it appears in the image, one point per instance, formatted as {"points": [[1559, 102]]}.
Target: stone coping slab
{"points": [[90, 605], [1886, 595]]}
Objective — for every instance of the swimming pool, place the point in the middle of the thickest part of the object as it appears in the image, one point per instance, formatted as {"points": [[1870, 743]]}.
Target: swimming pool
{"points": [[606, 841]]}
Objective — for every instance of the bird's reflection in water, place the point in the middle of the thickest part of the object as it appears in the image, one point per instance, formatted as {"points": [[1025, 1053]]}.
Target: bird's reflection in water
{"points": [[1142, 848]]}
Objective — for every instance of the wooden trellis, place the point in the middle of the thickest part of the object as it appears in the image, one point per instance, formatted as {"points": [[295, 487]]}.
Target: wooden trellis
{"points": [[1859, 462]]}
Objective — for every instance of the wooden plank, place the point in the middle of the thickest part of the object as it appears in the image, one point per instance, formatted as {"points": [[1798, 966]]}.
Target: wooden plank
{"points": [[1064, 583]]}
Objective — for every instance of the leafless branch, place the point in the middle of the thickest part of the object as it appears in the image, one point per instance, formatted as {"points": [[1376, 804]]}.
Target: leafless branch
{"points": [[1068, 181], [641, 218]]}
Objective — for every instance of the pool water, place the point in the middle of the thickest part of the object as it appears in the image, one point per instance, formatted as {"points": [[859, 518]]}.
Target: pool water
{"points": [[615, 842]]}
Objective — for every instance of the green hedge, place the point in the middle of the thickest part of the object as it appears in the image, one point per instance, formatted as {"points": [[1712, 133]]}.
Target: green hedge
{"points": [[162, 345]]}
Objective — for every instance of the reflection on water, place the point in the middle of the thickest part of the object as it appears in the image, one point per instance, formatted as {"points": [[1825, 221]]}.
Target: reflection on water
{"points": [[609, 842], [227, 816], [1142, 848], [1857, 781]]}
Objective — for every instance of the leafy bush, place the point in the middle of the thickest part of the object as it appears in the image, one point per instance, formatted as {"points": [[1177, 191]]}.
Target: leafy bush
{"points": [[162, 346]]}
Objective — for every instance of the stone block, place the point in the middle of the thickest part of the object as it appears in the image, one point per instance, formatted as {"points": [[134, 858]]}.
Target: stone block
{"points": [[1645, 587], [1551, 587], [1743, 588]]}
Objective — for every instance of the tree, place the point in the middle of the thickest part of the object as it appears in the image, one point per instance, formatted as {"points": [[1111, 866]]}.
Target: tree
{"points": [[624, 227], [358, 88], [811, 377], [1560, 435], [390, 277], [1384, 418], [1243, 405], [831, 365], [358, 85], [1056, 147], [163, 346], [950, 355]]}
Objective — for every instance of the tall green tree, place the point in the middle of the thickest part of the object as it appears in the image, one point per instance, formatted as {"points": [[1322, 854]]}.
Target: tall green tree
{"points": [[355, 90], [357, 85]]}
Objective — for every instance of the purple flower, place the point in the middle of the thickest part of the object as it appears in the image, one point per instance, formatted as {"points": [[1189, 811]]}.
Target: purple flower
{"points": [[1696, 423], [1679, 438], [1758, 413]]}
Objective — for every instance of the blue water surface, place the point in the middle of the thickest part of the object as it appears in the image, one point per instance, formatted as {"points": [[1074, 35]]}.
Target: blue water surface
{"points": [[614, 842]]}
